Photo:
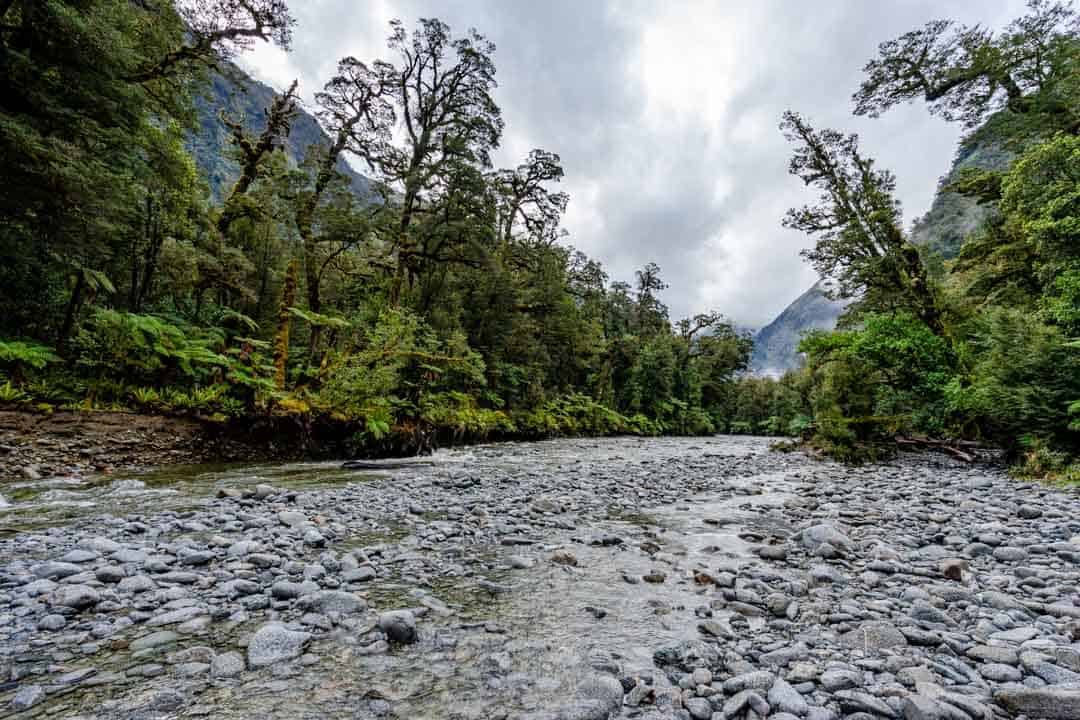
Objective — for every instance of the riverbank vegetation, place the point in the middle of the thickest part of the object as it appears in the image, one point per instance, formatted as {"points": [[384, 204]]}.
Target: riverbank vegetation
{"points": [[984, 346], [443, 298]]}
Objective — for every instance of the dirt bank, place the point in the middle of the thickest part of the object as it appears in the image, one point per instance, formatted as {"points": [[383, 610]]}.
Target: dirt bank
{"points": [[65, 443]]}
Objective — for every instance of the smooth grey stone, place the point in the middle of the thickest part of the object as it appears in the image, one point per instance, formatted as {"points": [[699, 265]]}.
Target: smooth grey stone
{"points": [[783, 697], [273, 643], [873, 636], [27, 697], [1048, 703], [78, 597], [227, 665], [399, 626]]}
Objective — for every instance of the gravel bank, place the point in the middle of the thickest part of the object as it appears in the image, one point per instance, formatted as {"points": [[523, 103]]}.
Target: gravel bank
{"points": [[625, 578]]}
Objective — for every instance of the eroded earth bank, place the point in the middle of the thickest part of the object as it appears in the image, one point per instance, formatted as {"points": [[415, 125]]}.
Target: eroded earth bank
{"points": [[668, 578]]}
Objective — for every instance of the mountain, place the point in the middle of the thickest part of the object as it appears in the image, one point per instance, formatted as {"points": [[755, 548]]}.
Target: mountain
{"points": [[943, 229], [776, 345], [242, 96], [953, 216]]}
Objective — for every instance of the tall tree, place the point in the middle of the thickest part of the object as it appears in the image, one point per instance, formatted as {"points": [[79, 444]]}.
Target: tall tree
{"points": [[355, 109], [967, 73], [652, 315], [252, 152], [215, 31], [857, 224], [525, 200], [444, 99]]}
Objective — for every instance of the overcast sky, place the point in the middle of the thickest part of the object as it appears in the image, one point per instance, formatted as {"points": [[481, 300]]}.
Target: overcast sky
{"points": [[665, 115]]}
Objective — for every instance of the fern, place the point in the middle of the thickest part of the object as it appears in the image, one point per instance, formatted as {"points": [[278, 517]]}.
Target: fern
{"points": [[11, 395], [319, 320], [20, 353]]}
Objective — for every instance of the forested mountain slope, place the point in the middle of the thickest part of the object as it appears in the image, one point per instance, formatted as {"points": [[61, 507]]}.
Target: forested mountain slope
{"points": [[241, 96]]}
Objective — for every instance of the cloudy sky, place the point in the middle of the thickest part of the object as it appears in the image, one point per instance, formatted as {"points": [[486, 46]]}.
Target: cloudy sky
{"points": [[665, 115]]}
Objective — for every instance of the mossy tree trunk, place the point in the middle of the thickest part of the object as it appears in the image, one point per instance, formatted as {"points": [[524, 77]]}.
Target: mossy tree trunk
{"points": [[281, 337]]}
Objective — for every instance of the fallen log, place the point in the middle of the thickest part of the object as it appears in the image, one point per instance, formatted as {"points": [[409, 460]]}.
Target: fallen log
{"points": [[382, 464], [949, 447]]}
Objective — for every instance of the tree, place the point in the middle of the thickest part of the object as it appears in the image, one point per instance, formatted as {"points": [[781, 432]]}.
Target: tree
{"points": [[968, 73], [449, 117], [172, 207], [215, 31], [652, 315], [73, 134], [525, 201], [857, 224], [253, 152], [355, 110]]}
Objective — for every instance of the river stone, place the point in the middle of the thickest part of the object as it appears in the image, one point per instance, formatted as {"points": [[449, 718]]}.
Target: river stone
{"points": [[785, 698], [364, 573], [756, 680], [53, 570], [227, 665], [78, 597], [1048, 703], [699, 708], [1054, 674], [153, 640], [128, 555], [335, 601], [874, 636], [1000, 672], [79, 556], [920, 707], [854, 701], [136, 584], [605, 688], [286, 590], [291, 518], [953, 568], [273, 643], [994, 654], [27, 697], [175, 617], [1029, 512], [687, 655], [817, 535], [110, 574], [100, 544], [52, 622], [167, 701], [564, 557], [399, 626], [1015, 635], [837, 679]]}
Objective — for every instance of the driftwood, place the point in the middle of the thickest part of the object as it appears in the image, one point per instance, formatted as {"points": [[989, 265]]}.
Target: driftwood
{"points": [[951, 447]]}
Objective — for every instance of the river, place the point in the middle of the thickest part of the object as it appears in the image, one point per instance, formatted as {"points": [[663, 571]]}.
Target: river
{"points": [[532, 570]]}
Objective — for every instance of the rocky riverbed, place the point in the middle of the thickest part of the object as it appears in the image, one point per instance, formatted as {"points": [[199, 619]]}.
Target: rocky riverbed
{"points": [[625, 578]]}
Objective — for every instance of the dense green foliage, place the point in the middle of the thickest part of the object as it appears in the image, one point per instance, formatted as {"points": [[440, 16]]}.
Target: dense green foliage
{"points": [[441, 298], [984, 346]]}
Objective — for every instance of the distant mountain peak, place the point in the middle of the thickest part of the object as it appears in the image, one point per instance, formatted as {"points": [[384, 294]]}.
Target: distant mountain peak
{"points": [[776, 346]]}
